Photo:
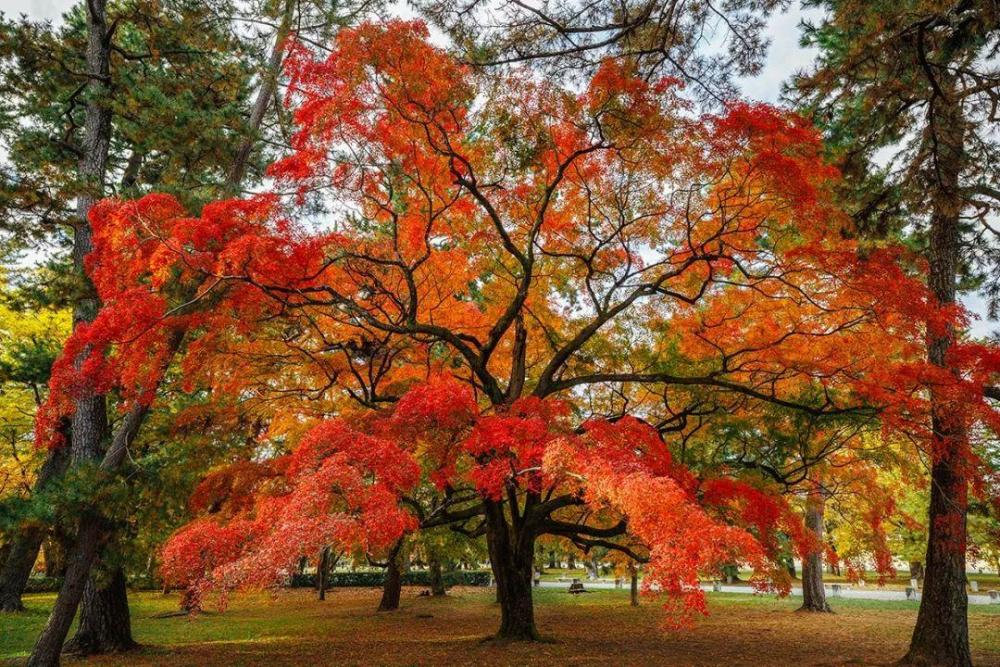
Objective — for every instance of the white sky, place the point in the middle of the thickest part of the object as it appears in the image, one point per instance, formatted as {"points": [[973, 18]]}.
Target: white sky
{"points": [[785, 57], [36, 9]]}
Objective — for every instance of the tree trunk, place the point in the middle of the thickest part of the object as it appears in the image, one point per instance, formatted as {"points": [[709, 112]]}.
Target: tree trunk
{"points": [[89, 423], [105, 624], [23, 552], [437, 580], [88, 540], [941, 634], [813, 592], [571, 561], [93, 532], [917, 570], [552, 560], [17, 568], [633, 585], [324, 564], [512, 559], [392, 586], [265, 95], [55, 558]]}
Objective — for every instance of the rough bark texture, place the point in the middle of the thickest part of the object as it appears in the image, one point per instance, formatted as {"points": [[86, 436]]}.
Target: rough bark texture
{"points": [[511, 558], [941, 634], [93, 531], [81, 558], [392, 586], [813, 592], [105, 624], [23, 551], [20, 558], [92, 535], [89, 423], [437, 580]]}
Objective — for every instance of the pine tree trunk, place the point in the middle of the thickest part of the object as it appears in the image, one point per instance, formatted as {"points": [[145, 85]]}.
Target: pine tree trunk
{"points": [[92, 531], [512, 561], [941, 634], [813, 592], [437, 580], [23, 551], [55, 558], [89, 424], [392, 585], [88, 541], [105, 623], [19, 560]]}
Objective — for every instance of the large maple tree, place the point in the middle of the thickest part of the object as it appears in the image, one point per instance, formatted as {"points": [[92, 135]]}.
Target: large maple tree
{"points": [[515, 295]]}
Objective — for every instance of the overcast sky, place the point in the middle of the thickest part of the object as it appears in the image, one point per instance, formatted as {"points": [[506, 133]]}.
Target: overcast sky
{"points": [[785, 57]]}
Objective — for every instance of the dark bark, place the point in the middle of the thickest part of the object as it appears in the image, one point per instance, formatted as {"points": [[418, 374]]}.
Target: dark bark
{"points": [[633, 585], [552, 560], [105, 623], [55, 558], [92, 534], [321, 570], [917, 570], [88, 541], [23, 549], [813, 592], [93, 531], [571, 561], [790, 566], [89, 423], [392, 585], [941, 634], [437, 580], [19, 560], [511, 558]]}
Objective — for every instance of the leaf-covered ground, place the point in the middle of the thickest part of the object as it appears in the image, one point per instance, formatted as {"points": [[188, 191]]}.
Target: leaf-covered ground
{"points": [[593, 629]]}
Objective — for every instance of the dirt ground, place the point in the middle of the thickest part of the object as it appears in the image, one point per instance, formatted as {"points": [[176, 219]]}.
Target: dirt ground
{"points": [[594, 629]]}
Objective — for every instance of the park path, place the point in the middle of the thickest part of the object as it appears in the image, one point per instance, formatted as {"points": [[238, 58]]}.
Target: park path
{"points": [[855, 593]]}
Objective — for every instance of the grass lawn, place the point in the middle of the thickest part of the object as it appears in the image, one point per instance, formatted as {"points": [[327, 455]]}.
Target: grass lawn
{"points": [[987, 580], [598, 628]]}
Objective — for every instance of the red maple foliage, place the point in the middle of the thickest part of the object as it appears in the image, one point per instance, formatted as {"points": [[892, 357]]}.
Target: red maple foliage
{"points": [[525, 273]]}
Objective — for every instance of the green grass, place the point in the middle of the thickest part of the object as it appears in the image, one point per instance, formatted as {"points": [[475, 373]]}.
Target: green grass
{"points": [[987, 581], [594, 628]]}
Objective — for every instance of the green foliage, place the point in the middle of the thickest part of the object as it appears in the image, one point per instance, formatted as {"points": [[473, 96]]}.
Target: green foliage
{"points": [[882, 68]]}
